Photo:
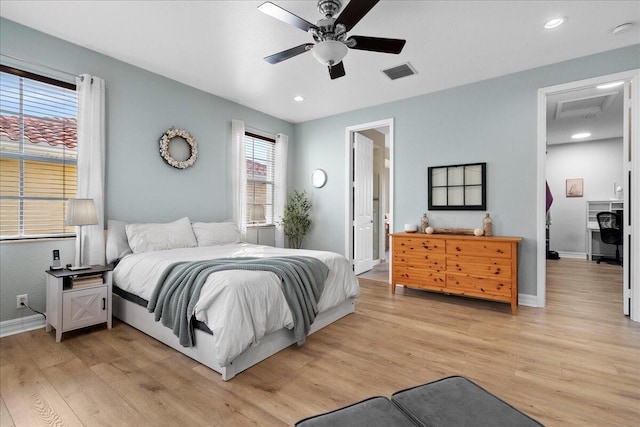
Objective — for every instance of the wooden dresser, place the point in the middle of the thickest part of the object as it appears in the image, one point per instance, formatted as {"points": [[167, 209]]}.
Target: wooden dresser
{"points": [[482, 267]]}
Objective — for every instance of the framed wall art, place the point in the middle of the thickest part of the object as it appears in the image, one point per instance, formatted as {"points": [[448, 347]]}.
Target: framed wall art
{"points": [[575, 187], [458, 187]]}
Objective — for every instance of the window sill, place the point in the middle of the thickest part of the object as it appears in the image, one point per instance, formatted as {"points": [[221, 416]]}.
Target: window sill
{"points": [[37, 240]]}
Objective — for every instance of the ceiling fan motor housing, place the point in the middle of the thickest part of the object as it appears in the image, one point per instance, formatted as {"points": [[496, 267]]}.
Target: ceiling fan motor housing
{"points": [[328, 30], [329, 7]]}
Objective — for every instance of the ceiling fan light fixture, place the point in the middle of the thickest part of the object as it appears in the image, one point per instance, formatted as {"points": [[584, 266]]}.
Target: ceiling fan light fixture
{"points": [[329, 52]]}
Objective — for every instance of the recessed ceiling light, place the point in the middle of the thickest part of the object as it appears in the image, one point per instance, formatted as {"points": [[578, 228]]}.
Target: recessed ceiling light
{"points": [[609, 85], [581, 135], [298, 98], [621, 29], [555, 22]]}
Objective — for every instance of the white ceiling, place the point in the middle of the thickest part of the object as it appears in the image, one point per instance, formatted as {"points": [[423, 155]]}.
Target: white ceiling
{"points": [[218, 46], [596, 111]]}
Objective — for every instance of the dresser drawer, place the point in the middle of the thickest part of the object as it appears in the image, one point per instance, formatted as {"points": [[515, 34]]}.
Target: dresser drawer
{"points": [[479, 248], [427, 261], [419, 277], [479, 286], [418, 245], [478, 266]]}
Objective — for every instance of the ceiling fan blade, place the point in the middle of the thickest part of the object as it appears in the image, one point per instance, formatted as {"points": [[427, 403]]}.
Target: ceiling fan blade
{"points": [[354, 11], [337, 70], [289, 53], [378, 44], [285, 16]]}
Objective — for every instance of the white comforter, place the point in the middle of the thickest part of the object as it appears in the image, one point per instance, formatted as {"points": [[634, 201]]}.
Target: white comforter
{"points": [[239, 306]]}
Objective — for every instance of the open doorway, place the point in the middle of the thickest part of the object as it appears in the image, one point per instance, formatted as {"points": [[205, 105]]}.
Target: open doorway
{"points": [[602, 184], [585, 172], [368, 227]]}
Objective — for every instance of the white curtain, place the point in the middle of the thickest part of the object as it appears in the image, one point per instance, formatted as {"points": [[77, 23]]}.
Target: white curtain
{"points": [[280, 196], [239, 176], [91, 163]]}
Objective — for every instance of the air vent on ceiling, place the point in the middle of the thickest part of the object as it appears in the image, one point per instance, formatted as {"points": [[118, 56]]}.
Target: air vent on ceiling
{"points": [[402, 70], [588, 107]]}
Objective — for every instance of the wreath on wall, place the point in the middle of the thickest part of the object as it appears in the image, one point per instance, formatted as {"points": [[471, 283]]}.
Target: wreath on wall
{"points": [[164, 148]]}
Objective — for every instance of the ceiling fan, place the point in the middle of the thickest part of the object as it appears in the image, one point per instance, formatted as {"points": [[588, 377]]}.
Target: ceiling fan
{"points": [[330, 33]]}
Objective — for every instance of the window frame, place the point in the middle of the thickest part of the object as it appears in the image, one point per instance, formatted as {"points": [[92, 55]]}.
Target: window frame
{"points": [[252, 181], [23, 157]]}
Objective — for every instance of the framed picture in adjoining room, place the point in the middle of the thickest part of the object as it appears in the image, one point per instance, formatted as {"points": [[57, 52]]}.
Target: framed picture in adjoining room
{"points": [[458, 187], [575, 187]]}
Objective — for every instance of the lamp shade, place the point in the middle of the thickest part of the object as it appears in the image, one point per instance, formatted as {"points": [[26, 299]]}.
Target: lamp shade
{"points": [[329, 52], [81, 212]]}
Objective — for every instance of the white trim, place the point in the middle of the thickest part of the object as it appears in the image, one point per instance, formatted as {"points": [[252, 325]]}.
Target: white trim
{"points": [[21, 324], [349, 130], [634, 77], [573, 255], [528, 300]]}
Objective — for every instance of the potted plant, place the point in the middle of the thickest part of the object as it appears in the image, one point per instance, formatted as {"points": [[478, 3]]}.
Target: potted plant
{"points": [[296, 219]]}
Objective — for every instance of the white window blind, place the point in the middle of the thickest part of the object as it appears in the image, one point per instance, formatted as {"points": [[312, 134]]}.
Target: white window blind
{"points": [[38, 154], [260, 155]]}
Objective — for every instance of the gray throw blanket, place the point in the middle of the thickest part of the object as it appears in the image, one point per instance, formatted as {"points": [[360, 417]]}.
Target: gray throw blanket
{"points": [[175, 296]]}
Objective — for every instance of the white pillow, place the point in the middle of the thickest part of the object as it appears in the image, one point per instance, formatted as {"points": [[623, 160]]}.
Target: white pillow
{"points": [[117, 243], [159, 237], [216, 233]]}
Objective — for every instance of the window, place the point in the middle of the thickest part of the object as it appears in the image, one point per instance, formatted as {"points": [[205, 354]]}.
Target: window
{"points": [[38, 154], [260, 154]]}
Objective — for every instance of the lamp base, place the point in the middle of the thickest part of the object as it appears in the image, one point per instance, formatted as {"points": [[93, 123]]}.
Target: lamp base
{"points": [[78, 267]]}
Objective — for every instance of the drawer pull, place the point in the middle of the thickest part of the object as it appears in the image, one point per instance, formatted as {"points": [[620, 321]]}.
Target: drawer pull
{"points": [[104, 303]]}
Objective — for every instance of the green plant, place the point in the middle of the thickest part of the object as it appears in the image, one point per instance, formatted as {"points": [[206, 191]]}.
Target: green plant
{"points": [[296, 219]]}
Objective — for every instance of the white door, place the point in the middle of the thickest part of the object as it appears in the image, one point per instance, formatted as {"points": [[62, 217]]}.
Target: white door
{"points": [[362, 204]]}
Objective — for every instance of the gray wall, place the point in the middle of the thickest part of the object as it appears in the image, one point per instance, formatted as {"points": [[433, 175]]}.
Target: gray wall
{"points": [[493, 121], [599, 163], [140, 186]]}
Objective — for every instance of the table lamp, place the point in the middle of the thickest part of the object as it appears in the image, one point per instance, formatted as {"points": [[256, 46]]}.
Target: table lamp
{"points": [[80, 212]]}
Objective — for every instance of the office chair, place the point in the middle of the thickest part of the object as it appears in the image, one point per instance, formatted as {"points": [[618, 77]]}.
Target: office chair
{"points": [[610, 231]]}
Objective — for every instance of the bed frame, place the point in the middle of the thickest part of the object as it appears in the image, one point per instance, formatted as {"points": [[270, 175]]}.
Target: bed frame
{"points": [[138, 317]]}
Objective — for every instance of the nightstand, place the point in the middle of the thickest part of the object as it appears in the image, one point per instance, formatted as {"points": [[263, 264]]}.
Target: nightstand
{"points": [[76, 299]]}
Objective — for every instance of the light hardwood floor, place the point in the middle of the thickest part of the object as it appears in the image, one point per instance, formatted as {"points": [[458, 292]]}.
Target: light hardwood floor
{"points": [[574, 363]]}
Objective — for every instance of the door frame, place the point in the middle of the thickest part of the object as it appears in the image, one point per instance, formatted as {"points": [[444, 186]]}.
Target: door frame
{"points": [[348, 218], [634, 269]]}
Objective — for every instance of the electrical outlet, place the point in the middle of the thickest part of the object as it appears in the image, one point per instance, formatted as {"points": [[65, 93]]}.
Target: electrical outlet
{"points": [[22, 301]]}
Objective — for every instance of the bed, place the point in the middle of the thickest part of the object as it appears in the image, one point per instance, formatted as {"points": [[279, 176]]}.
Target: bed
{"points": [[243, 315]]}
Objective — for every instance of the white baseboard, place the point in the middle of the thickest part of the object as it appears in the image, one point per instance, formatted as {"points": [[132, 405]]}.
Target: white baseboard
{"points": [[528, 300], [575, 255], [21, 324]]}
